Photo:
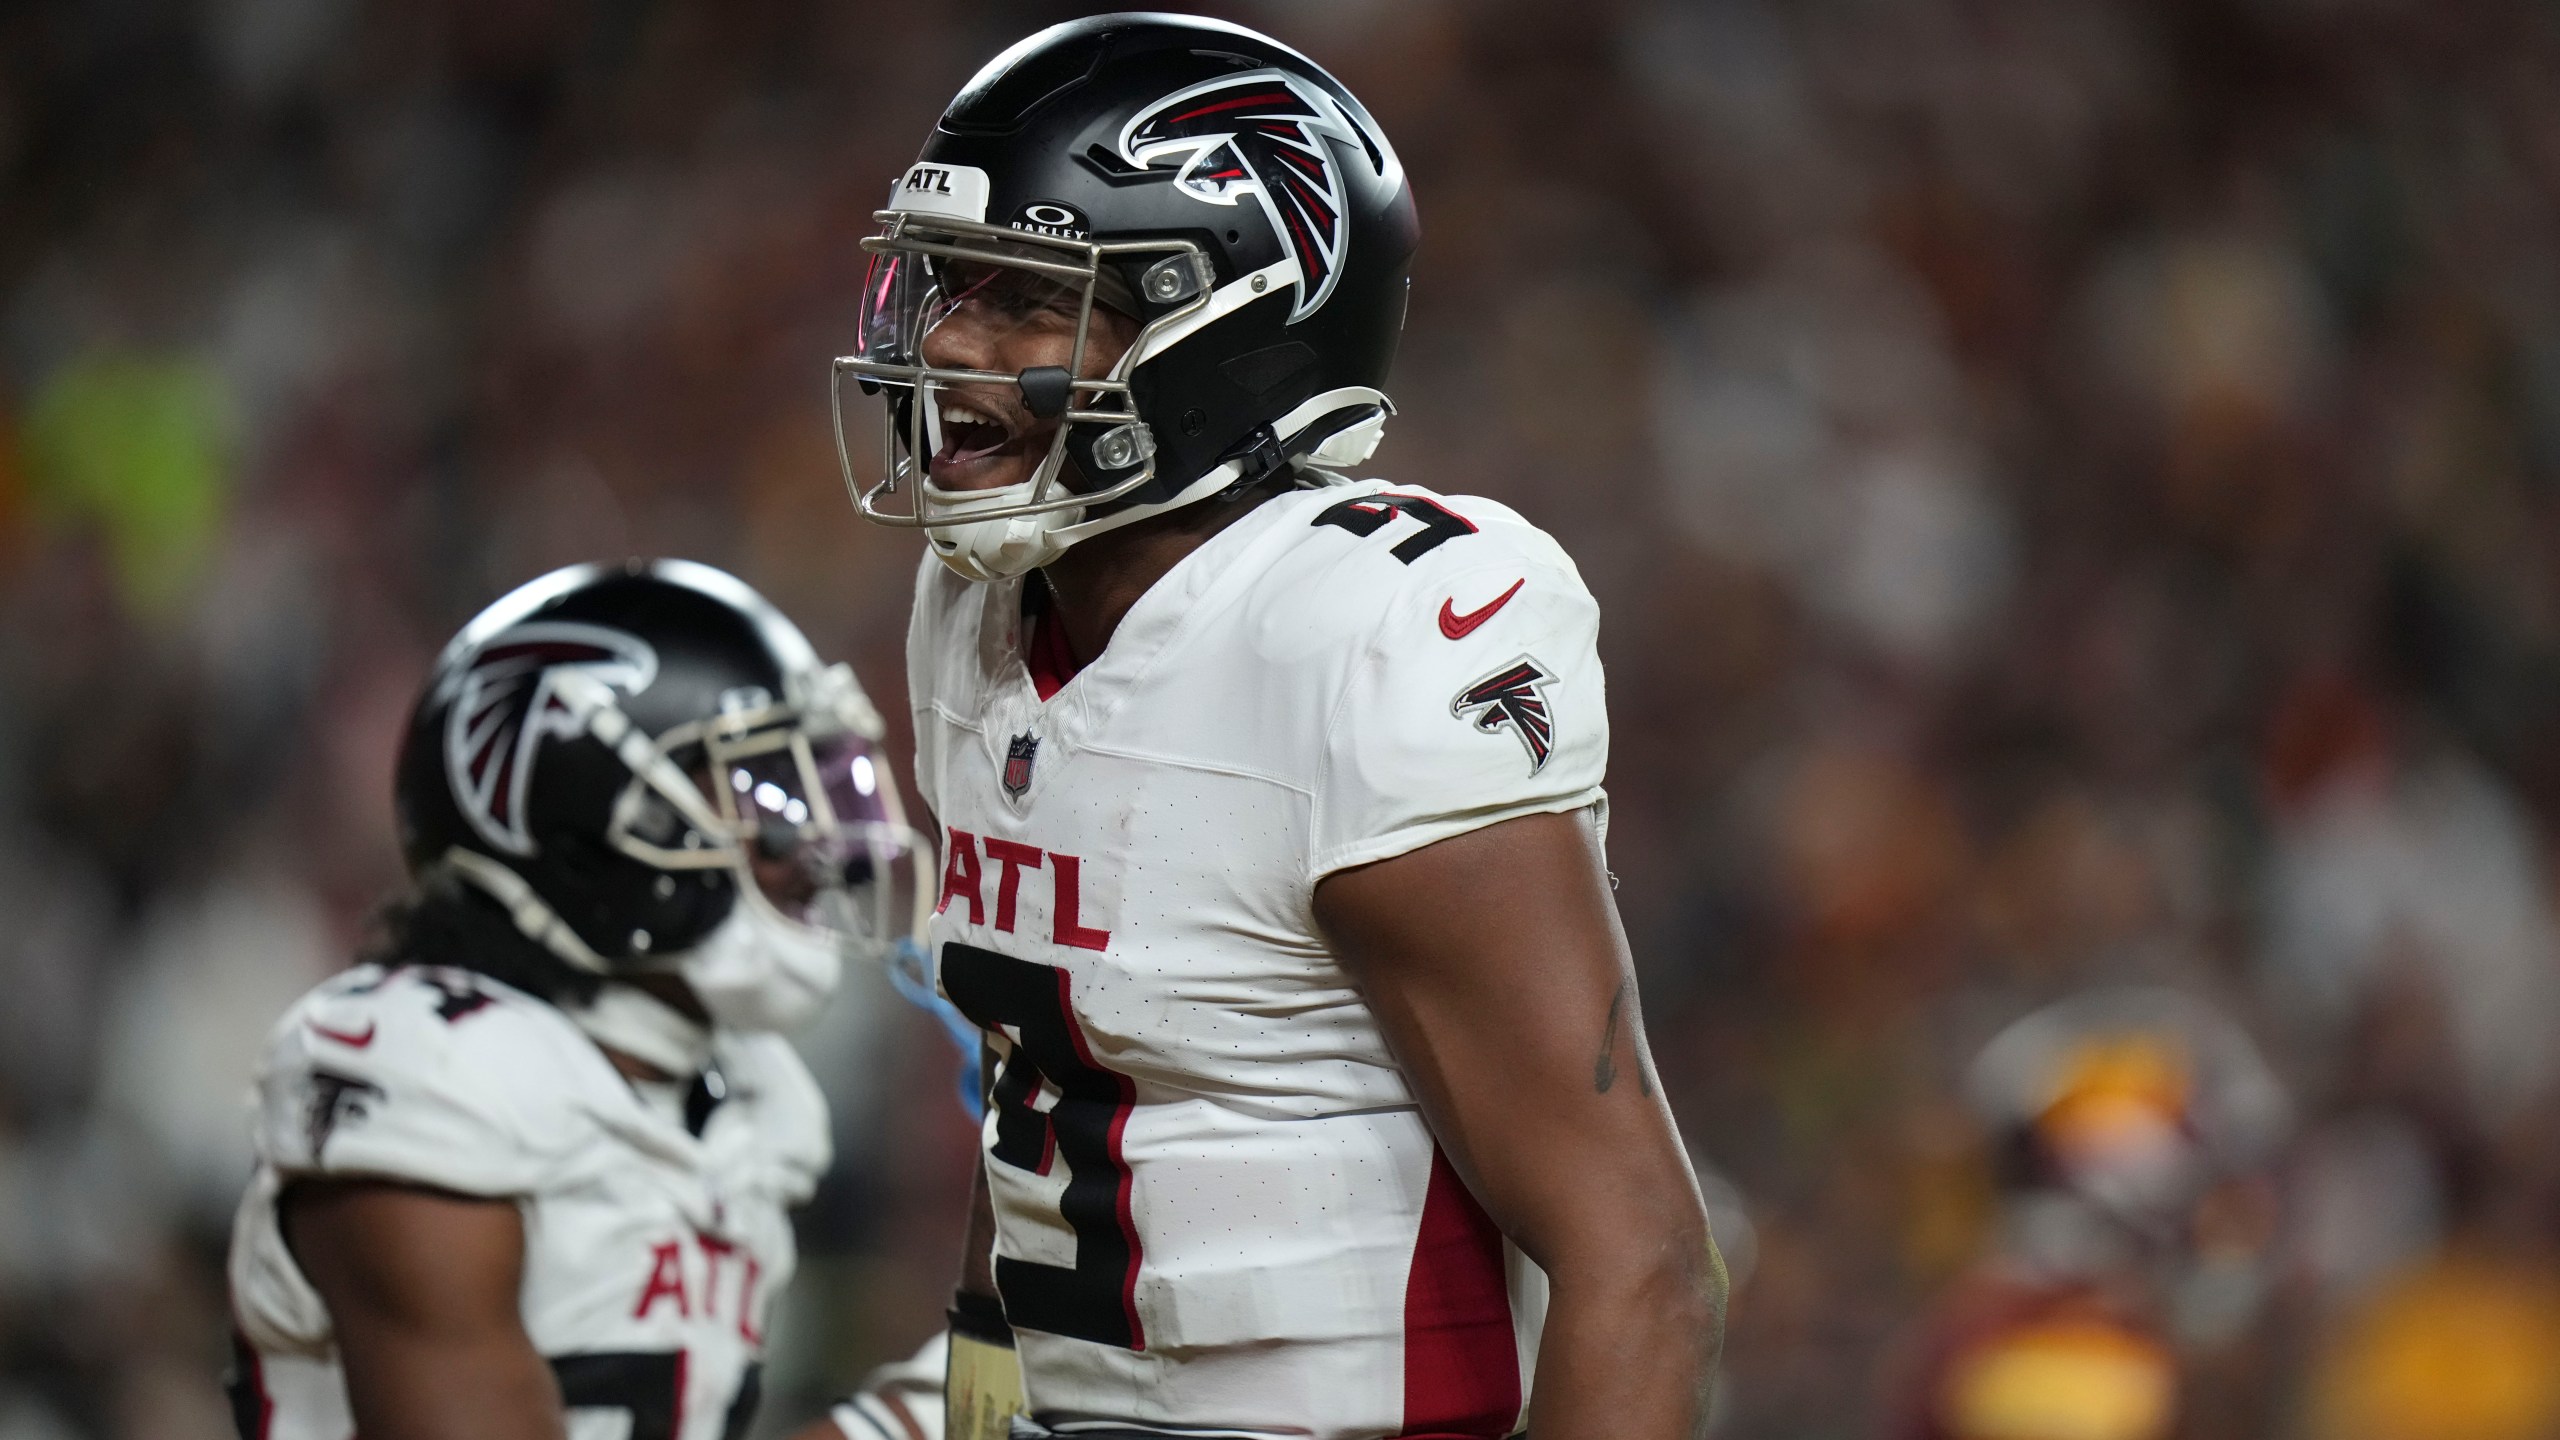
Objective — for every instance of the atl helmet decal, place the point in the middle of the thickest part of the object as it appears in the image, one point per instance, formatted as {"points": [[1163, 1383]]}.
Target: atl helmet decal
{"points": [[504, 705], [1262, 133], [1510, 696]]}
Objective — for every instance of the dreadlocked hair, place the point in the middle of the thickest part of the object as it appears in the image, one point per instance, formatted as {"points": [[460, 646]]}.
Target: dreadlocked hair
{"points": [[444, 921]]}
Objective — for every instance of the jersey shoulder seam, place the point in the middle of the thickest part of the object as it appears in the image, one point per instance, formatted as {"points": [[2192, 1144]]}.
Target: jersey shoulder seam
{"points": [[943, 709], [437, 1052], [1120, 752], [1324, 743]]}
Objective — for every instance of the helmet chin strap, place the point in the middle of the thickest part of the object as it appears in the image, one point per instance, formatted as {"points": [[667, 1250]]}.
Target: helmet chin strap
{"points": [[620, 1017], [1001, 549], [539, 922], [638, 1024]]}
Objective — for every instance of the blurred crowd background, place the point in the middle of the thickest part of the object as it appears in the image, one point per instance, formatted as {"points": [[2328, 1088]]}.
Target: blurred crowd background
{"points": [[2072, 486]]}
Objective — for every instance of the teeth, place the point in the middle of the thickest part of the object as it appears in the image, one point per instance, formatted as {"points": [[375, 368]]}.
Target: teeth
{"points": [[963, 415]]}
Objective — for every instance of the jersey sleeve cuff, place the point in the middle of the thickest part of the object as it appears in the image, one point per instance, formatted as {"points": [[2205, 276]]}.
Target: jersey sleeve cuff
{"points": [[1409, 838], [401, 1165]]}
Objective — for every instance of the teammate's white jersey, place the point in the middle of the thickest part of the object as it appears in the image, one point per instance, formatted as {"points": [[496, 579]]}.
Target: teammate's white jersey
{"points": [[1218, 1209], [652, 1257]]}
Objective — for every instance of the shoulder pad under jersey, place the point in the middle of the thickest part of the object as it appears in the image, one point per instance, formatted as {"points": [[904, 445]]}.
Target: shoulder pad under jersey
{"points": [[428, 1074]]}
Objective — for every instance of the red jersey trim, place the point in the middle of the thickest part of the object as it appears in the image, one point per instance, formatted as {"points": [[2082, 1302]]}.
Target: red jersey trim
{"points": [[1461, 1357], [253, 1409], [1046, 654], [1126, 1182]]}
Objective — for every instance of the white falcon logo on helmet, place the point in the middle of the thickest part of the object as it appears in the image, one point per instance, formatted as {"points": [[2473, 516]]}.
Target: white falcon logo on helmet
{"points": [[1262, 134], [504, 705]]}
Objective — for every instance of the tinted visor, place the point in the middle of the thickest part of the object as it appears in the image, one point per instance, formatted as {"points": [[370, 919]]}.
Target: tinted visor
{"points": [[893, 296], [812, 827], [906, 294]]}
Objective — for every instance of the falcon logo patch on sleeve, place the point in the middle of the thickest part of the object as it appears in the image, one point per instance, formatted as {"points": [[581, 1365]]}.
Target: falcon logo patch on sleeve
{"points": [[1263, 134], [507, 706], [334, 1100], [1512, 696]]}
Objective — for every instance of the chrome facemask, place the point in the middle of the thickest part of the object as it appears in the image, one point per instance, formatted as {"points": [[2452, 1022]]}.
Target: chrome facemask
{"points": [[800, 808], [914, 260]]}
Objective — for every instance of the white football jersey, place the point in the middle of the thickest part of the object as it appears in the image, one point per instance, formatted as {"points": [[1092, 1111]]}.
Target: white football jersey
{"points": [[652, 1257], [1218, 1208]]}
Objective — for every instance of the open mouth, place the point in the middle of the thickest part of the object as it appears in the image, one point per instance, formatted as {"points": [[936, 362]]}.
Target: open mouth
{"points": [[969, 434], [982, 446]]}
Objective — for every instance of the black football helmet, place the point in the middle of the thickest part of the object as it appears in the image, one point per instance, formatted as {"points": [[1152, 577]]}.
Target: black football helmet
{"points": [[1215, 185], [617, 754]]}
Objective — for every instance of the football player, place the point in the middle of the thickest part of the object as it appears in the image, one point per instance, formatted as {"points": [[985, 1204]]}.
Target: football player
{"points": [[1320, 1101], [524, 1172], [2130, 1129]]}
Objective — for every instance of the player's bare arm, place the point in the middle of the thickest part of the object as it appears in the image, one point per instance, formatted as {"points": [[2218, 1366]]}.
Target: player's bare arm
{"points": [[423, 1286], [1496, 964]]}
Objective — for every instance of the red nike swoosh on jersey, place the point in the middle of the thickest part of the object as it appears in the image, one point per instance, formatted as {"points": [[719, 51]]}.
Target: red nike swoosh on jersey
{"points": [[1459, 627], [350, 1039]]}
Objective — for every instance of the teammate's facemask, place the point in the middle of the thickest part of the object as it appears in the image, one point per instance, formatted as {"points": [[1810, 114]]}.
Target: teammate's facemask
{"points": [[925, 269], [799, 810]]}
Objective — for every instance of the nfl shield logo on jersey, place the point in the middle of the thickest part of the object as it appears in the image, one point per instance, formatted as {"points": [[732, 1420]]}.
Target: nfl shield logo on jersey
{"points": [[1019, 752]]}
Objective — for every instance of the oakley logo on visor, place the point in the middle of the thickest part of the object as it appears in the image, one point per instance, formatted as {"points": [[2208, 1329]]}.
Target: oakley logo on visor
{"points": [[1262, 134]]}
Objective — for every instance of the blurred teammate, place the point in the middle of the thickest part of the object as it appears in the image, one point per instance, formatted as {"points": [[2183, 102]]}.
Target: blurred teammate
{"points": [[1272, 799], [524, 1173], [2114, 1115]]}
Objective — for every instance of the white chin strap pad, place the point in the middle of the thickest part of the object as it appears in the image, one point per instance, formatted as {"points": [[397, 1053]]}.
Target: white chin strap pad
{"points": [[646, 1028], [1001, 549], [986, 550]]}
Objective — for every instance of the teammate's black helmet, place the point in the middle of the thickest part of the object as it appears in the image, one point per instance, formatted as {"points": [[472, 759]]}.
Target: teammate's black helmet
{"points": [[1216, 185], [606, 749]]}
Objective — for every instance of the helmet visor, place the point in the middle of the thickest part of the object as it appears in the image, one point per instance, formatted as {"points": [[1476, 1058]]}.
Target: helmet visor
{"points": [[799, 806], [893, 296], [817, 831], [1005, 292]]}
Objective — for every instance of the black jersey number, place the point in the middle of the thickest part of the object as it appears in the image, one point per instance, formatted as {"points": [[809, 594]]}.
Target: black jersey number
{"points": [[1096, 1299], [648, 1386], [1369, 514]]}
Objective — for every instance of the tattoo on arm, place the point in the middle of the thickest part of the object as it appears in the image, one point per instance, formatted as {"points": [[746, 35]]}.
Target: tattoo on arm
{"points": [[1604, 1071]]}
